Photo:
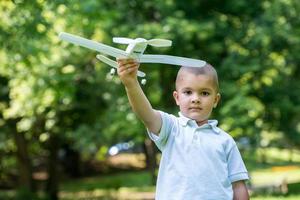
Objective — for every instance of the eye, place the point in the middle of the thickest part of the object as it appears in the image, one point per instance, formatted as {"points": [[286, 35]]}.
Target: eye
{"points": [[205, 93], [187, 92]]}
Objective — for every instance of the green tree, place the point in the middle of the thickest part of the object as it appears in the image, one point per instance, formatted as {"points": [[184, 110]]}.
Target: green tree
{"points": [[54, 93]]}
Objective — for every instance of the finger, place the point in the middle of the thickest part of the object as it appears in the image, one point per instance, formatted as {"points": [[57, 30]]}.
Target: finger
{"points": [[129, 65], [126, 70], [125, 60], [131, 70], [124, 67], [121, 60], [133, 63]]}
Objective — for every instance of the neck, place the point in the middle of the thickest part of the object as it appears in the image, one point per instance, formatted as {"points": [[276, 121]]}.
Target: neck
{"points": [[200, 123]]}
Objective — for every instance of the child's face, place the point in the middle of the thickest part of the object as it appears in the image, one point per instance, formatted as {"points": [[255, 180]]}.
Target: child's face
{"points": [[196, 96]]}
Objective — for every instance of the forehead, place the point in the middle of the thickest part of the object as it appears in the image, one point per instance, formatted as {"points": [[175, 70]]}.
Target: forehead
{"points": [[197, 81]]}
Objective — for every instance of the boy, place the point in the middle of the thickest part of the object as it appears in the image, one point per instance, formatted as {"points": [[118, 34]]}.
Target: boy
{"points": [[199, 160]]}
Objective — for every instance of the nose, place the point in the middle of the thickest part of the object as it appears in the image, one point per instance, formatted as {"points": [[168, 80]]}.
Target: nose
{"points": [[195, 99]]}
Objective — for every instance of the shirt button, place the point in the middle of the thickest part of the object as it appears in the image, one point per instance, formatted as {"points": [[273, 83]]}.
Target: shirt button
{"points": [[195, 137]]}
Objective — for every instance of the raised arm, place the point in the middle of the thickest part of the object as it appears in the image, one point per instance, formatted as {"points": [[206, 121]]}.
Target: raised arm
{"points": [[141, 106]]}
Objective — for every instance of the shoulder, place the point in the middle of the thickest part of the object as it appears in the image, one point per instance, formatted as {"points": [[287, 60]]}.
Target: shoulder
{"points": [[169, 125], [167, 115], [168, 118], [225, 134], [227, 140]]}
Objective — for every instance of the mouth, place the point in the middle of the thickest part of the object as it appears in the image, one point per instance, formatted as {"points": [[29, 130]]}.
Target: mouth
{"points": [[195, 109]]}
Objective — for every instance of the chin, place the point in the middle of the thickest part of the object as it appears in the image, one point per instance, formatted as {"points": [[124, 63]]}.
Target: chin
{"points": [[196, 117]]}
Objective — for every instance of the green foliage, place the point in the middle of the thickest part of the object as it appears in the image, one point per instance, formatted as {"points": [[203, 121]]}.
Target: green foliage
{"points": [[55, 88]]}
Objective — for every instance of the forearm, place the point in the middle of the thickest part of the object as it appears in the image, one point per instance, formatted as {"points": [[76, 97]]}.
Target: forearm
{"points": [[142, 107], [127, 71], [240, 191]]}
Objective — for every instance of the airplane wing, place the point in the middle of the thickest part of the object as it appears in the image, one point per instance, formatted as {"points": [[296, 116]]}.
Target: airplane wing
{"points": [[172, 60], [90, 44], [115, 64]]}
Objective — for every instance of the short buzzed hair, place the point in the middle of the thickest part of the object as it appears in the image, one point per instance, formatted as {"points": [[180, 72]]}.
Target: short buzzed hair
{"points": [[205, 70]]}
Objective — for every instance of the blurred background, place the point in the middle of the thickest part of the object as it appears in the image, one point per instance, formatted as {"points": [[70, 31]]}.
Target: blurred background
{"points": [[66, 128]]}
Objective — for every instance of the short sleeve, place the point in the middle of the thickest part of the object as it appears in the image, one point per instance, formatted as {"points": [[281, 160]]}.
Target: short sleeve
{"points": [[167, 124], [236, 167]]}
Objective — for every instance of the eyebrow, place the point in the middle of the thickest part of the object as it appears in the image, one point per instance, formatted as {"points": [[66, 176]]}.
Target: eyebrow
{"points": [[189, 88]]}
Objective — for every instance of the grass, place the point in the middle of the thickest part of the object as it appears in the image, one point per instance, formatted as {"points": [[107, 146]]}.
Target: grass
{"points": [[276, 168], [137, 185], [134, 185], [274, 175], [114, 181], [114, 186], [96, 188], [276, 198]]}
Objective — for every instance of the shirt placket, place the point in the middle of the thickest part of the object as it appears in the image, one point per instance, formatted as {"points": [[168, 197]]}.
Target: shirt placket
{"points": [[196, 137]]}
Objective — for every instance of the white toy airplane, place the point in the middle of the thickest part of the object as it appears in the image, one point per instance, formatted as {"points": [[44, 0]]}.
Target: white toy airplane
{"points": [[135, 49]]}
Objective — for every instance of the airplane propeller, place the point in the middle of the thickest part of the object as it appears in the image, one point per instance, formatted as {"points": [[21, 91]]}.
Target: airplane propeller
{"points": [[123, 40], [152, 42]]}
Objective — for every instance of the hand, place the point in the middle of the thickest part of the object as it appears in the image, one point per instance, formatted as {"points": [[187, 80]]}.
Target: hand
{"points": [[127, 71]]}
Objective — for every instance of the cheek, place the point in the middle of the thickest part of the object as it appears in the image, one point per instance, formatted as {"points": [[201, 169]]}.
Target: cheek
{"points": [[180, 101], [184, 102], [210, 103]]}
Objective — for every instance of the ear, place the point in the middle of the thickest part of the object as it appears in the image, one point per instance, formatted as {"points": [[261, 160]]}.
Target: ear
{"points": [[217, 99], [175, 95]]}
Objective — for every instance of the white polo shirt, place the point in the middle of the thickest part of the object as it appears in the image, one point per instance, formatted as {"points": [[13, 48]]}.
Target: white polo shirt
{"points": [[197, 163]]}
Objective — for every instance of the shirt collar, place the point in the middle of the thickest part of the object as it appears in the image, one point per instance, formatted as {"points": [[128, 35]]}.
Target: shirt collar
{"points": [[184, 121]]}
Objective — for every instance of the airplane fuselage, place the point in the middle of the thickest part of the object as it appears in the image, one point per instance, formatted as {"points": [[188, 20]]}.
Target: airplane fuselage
{"points": [[136, 48]]}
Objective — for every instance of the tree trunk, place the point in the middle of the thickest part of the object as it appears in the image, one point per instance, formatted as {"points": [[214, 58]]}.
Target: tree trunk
{"points": [[25, 168], [53, 163], [150, 153]]}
